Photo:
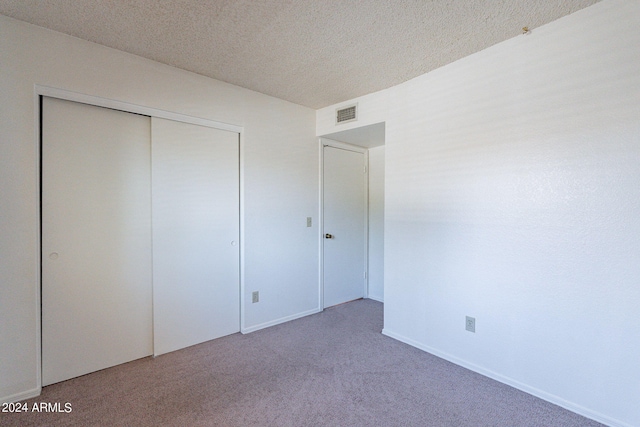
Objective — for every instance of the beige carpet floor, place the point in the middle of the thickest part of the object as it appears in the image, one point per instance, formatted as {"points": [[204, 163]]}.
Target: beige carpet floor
{"points": [[334, 368]]}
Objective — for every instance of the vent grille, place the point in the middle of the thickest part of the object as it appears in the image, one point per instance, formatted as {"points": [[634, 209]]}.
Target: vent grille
{"points": [[347, 114]]}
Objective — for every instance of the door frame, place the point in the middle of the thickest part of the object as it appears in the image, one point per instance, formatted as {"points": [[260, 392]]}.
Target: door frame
{"points": [[41, 91], [325, 142]]}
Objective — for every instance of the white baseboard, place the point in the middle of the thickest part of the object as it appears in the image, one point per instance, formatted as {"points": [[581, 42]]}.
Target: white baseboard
{"points": [[556, 400], [22, 396], [279, 321], [376, 298]]}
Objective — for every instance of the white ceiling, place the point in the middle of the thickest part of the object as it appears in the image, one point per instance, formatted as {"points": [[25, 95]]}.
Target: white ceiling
{"points": [[310, 52]]}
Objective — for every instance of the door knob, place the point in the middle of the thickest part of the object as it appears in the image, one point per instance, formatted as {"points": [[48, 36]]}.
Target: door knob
{"points": [[328, 236]]}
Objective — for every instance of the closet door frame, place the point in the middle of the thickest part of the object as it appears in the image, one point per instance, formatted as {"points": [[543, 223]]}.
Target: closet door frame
{"points": [[41, 91]]}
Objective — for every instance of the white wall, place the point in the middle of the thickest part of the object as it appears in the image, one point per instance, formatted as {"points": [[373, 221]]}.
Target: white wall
{"points": [[280, 178], [513, 195], [376, 223]]}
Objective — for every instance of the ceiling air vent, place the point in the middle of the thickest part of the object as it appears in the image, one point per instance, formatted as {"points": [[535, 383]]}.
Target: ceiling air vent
{"points": [[347, 114]]}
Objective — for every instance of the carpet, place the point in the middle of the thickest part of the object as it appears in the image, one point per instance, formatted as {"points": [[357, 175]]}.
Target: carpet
{"points": [[334, 368]]}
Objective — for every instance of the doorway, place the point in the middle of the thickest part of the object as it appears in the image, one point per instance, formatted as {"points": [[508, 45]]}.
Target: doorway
{"points": [[368, 139], [344, 223]]}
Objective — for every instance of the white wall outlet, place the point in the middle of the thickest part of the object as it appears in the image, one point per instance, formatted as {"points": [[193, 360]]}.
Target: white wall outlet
{"points": [[308, 221], [470, 324], [255, 297]]}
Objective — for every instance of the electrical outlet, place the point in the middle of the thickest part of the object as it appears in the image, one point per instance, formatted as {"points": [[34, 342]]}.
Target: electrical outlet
{"points": [[471, 324], [308, 221], [255, 296]]}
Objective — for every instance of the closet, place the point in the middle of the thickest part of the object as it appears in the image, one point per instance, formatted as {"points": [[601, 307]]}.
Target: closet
{"points": [[140, 236]]}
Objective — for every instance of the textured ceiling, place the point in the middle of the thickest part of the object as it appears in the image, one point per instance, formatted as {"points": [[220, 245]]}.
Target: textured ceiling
{"points": [[310, 52]]}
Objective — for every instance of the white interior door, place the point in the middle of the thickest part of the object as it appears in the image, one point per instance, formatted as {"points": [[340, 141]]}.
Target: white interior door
{"points": [[195, 189], [96, 239], [344, 225]]}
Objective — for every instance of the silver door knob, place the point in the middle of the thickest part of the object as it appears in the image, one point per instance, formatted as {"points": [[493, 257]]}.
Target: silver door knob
{"points": [[328, 236]]}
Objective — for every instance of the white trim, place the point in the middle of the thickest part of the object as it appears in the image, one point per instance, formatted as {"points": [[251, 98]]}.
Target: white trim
{"points": [[241, 198], [35, 392], [38, 284], [365, 175], [132, 108], [581, 410], [324, 142], [321, 227], [279, 321]]}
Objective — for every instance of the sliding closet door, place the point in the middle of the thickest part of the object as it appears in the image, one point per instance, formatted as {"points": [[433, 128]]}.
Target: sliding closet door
{"points": [[96, 239], [195, 193]]}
